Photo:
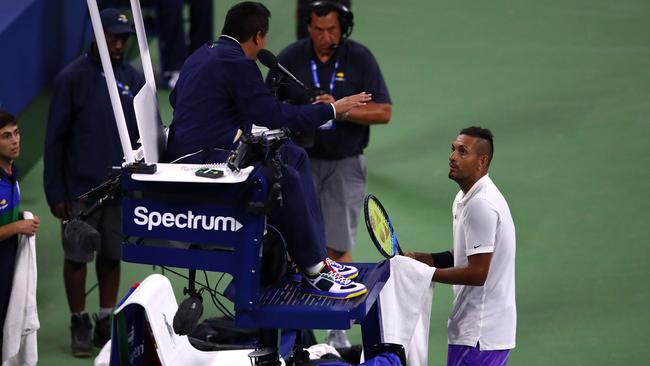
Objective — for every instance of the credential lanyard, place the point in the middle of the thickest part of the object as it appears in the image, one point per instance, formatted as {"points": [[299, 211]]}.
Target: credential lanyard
{"points": [[314, 73]]}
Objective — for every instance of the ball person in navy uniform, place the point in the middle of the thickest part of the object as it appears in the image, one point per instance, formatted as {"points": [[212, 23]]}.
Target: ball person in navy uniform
{"points": [[81, 144], [11, 221]]}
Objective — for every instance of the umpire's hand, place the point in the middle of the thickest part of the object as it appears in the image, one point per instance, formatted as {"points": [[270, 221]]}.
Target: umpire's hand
{"points": [[344, 105]]}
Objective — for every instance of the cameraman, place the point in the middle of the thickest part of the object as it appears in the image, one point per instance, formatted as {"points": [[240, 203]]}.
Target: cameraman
{"points": [[337, 67], [220, 91]]}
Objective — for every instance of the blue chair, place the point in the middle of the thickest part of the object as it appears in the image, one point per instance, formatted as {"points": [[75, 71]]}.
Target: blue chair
{"points": [[229, 238]]}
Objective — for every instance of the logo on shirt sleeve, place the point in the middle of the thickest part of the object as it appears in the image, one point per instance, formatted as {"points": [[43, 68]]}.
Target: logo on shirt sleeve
{"points": [[3, 204]]}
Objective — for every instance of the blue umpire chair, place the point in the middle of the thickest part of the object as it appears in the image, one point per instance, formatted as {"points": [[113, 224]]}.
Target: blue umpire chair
{"points": [[166, 203], [227, 236]]}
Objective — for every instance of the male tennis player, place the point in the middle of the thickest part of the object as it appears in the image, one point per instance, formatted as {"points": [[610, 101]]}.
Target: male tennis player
{"points": [[482, 324]]}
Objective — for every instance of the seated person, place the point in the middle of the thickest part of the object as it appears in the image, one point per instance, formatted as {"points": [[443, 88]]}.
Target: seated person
{"points": [[221, 91]]}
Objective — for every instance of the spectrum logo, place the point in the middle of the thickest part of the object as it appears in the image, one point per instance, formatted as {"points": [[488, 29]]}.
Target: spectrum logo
{"points": [[184, 221]]}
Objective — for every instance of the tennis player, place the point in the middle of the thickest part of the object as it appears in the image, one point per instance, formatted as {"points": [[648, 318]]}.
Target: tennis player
{"points": [[482, 324]]}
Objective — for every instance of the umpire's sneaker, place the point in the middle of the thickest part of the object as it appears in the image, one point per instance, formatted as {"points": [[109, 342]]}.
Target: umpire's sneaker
{"points": [[81, 343], [328, 282], [102, 332], [344, 270]]}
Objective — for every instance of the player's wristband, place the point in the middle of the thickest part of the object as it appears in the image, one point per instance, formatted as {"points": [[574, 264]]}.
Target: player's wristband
{"points": [[443, 259]]}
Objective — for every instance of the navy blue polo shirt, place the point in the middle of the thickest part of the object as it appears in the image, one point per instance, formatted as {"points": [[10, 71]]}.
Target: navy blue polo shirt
{"points": [[9, 205], [82, 141], [353, 69]]}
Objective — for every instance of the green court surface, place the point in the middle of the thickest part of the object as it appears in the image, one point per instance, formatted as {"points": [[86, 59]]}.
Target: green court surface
{"points": [[564, 86]]}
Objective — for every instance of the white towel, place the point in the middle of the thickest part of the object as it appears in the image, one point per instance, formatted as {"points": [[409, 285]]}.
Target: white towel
{"points": [[19, 345], [405, 306]]}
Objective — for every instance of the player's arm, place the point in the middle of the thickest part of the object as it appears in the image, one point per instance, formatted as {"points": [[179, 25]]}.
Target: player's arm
{"points": [[438, 260], [474, 274], [425, 258], [479, 228]]}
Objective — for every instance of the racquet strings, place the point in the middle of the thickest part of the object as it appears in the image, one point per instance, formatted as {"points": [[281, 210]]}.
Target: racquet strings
{"points": [[380, 227]]}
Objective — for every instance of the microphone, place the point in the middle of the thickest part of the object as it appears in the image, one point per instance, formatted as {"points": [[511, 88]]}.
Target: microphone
{"points": [[268, 59], [188, 314], [81, 238]]}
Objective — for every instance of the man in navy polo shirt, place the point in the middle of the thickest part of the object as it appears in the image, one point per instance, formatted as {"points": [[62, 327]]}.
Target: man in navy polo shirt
{"points": [[10, 222], [81, 145], [337, 67]]}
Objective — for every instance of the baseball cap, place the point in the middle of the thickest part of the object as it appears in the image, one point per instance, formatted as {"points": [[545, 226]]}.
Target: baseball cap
{"points": [[116, 22]]}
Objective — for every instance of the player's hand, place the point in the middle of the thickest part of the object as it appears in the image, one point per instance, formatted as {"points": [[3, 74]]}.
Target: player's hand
{"points": [[27, 227], [62, 210], [324, 98], [425, 258], [344, 105]]}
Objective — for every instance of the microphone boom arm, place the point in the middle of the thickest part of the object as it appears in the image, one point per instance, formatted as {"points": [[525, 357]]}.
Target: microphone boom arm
{"points": [[291, 77]]}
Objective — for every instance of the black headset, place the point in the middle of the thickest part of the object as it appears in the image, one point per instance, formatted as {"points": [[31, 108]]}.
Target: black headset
{"points": [[346, 18]]}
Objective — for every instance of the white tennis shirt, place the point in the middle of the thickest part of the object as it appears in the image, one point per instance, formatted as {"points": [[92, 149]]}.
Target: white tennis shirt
{"points": [[484, 314]]}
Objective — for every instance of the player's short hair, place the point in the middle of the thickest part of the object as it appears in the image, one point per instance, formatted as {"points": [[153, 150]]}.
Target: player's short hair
{"points": [[245, 19], [484, 134], [7, 119]]}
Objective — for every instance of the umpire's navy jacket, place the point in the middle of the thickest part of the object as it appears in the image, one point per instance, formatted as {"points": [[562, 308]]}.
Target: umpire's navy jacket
{"points": [[220, 91]]}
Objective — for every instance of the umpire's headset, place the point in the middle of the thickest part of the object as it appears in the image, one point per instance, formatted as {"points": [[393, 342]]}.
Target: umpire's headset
{"points": [[346, 18]]}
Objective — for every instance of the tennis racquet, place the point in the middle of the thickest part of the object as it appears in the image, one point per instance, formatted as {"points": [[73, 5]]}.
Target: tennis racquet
{"points": [[380, 227]]}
